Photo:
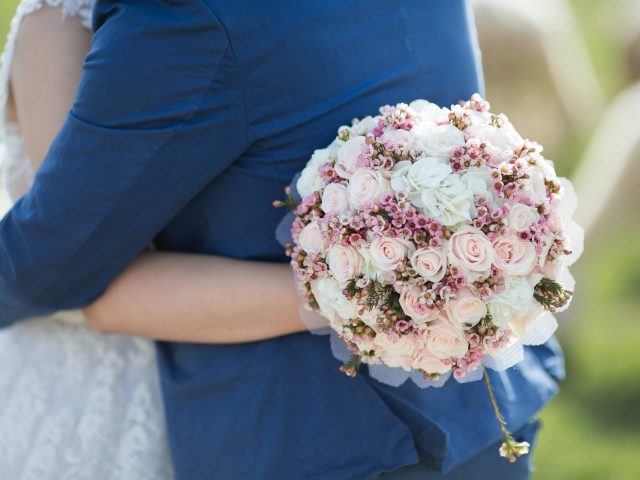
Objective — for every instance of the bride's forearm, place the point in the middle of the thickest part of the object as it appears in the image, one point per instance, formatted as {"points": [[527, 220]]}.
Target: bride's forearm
{"points": [[197, 298]]}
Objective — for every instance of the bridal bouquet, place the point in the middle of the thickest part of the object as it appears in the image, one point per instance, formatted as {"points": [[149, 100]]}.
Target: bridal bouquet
{"points": [[432, 239]]}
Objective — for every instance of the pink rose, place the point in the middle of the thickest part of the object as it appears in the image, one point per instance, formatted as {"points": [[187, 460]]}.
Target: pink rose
{"points": [[471, 251], [514, 256], [311, 239], [446, 339], [386, 253], [425, 360], [415, 305], [430, 263], [466, 308], [335, 199], [348, 156], [394, 350], [366, 187], [345, 263]]}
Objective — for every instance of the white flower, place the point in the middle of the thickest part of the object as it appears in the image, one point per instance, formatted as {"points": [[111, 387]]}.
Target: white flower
{"points": [[471, 251], [501, 142], [366, 187], [309, 181], [450, 203], [348, 154], [446, 339], [478, 181], [439, 140], [513, 255], [311, 239], [521, 217], [332, 302], [512, 302], [403, 139], [534, 186], [387, 253], [430, 263], [344, 262], [466, 308], [428, 112], [335, 199], [364, 125], [414, 178], [395, 352]]}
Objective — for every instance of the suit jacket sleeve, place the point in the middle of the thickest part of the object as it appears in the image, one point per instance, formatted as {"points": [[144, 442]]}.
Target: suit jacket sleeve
{"points": [[158, 115]]}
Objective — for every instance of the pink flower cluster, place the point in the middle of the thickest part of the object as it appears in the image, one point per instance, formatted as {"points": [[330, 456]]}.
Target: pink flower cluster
{"points": [[431, 237]]}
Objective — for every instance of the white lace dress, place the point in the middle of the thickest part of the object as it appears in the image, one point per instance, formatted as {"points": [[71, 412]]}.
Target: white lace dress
{"points": [[74, 404]]}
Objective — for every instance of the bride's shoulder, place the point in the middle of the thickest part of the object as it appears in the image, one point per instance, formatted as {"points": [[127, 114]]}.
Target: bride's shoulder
{"points": [[68, 8]]}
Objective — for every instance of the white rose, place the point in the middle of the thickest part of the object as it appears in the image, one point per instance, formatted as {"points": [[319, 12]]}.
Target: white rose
{"points": [[311, 239], [403, 139], [414, 178], [309, 181], [364, 125], [501, 142], [428, 112], [521, 217], [348, 154], [514, 256], [430, 263], [512, 302], [344, 262], [366, 187], [395, 352], [320, 156], [534, 186], [415, 306], [333, 304], [386, 253], [439, 140], [446, 339], [466, 308], [449, 203], [471, 251], [335, 199]]}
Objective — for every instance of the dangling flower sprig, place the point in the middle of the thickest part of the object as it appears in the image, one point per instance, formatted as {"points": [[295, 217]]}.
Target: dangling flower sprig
{"points": [[510, 449]]}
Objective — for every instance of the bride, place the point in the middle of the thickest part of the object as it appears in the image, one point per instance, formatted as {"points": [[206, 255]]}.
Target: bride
{"points": [[75, 403]]}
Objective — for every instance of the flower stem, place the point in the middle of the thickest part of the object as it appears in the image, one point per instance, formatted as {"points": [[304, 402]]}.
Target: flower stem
{"points": [[510, 449]]}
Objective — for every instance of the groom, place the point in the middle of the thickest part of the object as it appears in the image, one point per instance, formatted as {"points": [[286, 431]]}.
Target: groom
{"points": [[190, 118]]}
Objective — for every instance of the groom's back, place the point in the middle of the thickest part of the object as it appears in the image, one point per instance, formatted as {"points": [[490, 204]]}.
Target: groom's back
{"points": [[301, 70]]}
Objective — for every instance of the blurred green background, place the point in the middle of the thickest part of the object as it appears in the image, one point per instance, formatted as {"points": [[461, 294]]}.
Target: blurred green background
{"points": [[592, 429]]}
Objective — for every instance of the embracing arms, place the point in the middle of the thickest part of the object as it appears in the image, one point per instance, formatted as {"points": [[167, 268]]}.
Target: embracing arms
{"points": [[169, 296]]}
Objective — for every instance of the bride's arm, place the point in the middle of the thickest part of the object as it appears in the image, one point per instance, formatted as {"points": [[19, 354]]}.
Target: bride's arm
{"points": [[179, 297], [198, 298]]}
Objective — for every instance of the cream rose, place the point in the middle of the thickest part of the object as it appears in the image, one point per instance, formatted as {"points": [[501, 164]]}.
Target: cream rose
{"points": [[439, 140], [471, 251], [311, 239], [386, 253], [424, 360], [430, 263], [335, 199], [466, 308], [348, 154], [519, 325], [366, 187], [309, 181], [450, 202], [512, 302], [344, 262], [521, 217], [501, 142], [395, 352], [414, 305], [514, 256], [332, 302], [446, 339]]}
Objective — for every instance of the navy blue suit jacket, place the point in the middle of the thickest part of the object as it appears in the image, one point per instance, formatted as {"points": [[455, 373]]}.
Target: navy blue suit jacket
{"points": [[190, 118]]}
